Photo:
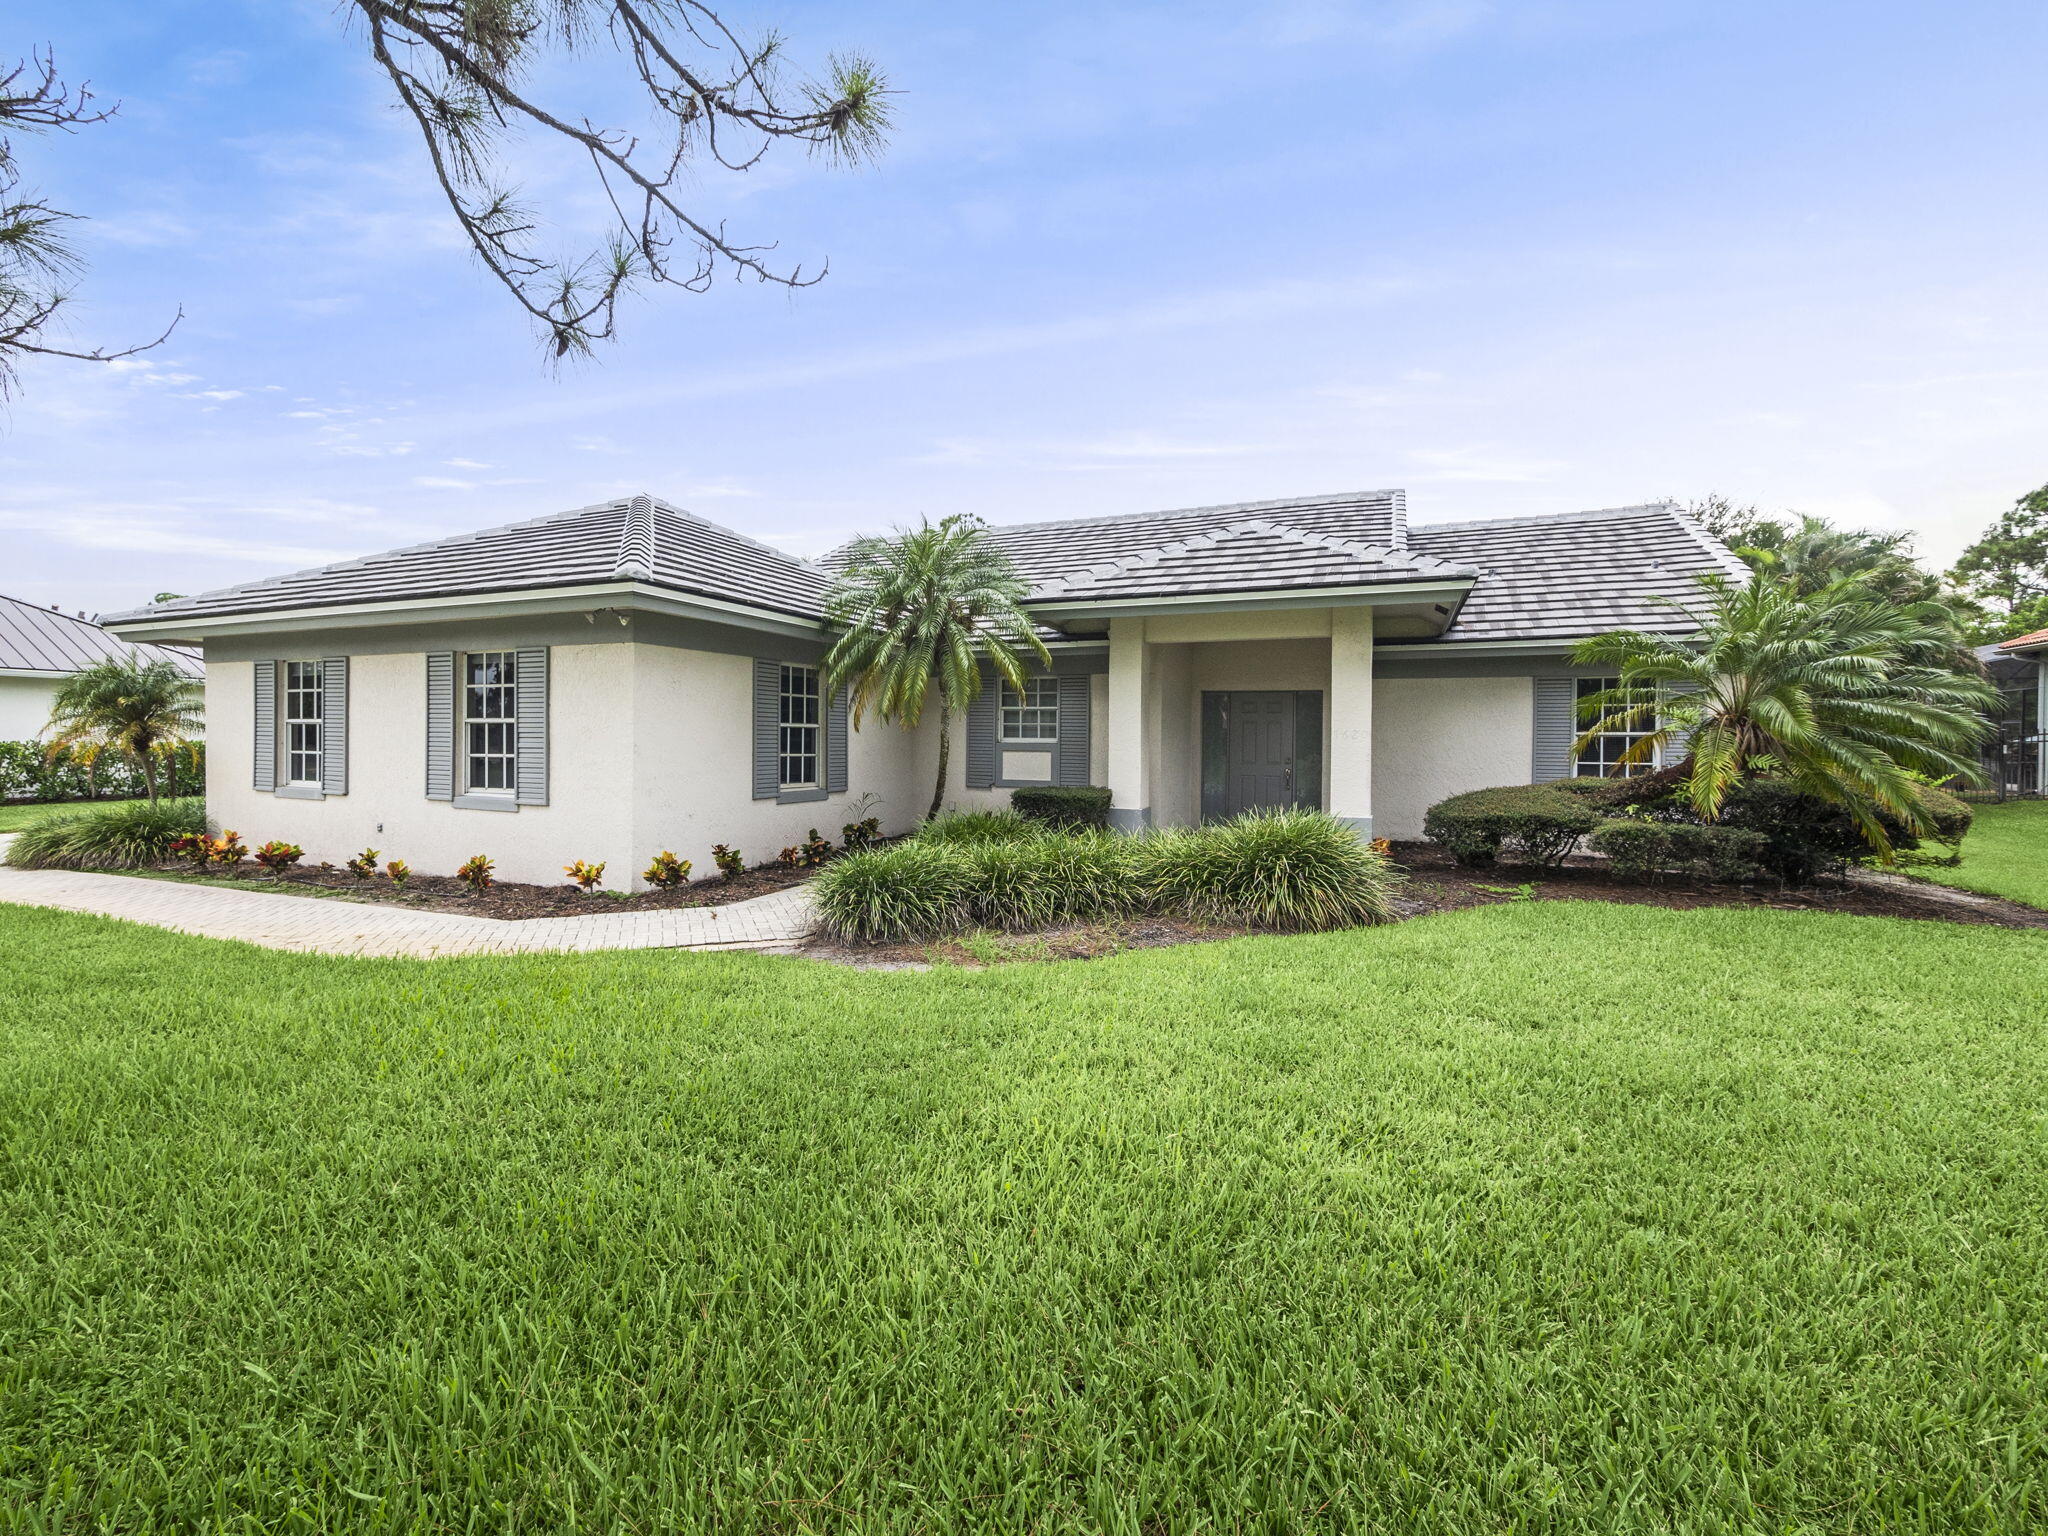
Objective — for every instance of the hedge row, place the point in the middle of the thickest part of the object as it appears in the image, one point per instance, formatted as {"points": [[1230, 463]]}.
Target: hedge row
{"points": [[30, 772], [1767, 829], [1290, 870]]}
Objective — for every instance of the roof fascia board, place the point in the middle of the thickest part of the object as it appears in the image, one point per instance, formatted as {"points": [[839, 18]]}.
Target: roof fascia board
{"points": [[35, 672], [1232, 602], [1472, 647], [632, 595]]}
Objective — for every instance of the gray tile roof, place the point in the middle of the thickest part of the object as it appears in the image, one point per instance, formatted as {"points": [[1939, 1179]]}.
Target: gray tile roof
{"points": [[1577, 573], [36, 639], [1047, 552], [637, 538], [1249, 555], [1538, 578]]}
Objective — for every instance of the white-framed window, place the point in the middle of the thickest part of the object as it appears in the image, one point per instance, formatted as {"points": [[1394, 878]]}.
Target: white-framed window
{"points": [[1601, 757], [302, 722], [490, 728], [799, 716], [1034, 714]]}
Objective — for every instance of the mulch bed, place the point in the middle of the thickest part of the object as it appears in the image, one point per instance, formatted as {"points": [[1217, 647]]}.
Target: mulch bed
{"points": [[509, 899], [1436, 884]]}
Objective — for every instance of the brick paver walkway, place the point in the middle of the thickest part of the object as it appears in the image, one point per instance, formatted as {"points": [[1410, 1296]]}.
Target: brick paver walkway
{"points": [[329, 926]]}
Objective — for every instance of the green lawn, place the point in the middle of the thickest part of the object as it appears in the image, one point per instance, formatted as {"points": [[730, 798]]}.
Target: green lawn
{"points": [[1548, 1217], [2006, 853], [15, 817]]}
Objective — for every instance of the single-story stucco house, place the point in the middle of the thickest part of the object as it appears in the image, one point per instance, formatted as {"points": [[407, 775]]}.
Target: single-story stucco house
{"points": [[629, 677], [40, 649]]}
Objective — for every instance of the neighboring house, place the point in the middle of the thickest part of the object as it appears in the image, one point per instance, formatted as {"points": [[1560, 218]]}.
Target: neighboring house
{"points": [[40, 648], [2017, 756], [629, 677]]}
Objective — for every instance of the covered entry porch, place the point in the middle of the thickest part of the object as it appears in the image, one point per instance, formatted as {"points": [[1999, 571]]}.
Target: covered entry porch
{"points": [[1208, 715]]}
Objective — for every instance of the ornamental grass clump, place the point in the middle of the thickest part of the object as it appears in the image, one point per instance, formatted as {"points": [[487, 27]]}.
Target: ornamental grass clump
{"points": [[962, 827], [122, 834], [1296, 871], [1049, 879], [910, 890]]}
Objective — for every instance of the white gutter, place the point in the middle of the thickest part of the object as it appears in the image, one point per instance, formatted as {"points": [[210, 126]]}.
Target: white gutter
{"points": [[636, 596]]}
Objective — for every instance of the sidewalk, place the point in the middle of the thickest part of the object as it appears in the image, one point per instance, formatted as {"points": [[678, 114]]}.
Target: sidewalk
{"points": [[330, 926]]}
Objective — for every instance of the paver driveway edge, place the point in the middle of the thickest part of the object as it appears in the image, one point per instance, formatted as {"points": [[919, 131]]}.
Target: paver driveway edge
{"points": [[333, 926]]}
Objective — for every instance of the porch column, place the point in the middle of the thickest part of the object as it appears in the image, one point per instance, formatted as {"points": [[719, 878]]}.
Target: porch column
{"points": [[1130, 809], [1351, 718]]}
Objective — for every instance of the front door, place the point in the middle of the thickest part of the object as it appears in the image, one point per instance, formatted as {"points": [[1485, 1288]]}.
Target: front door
{"points": [[1261, 736], [1260, 749]]}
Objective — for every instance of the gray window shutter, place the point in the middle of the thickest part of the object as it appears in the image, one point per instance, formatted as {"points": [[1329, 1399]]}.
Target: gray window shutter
{"points": [[767, 729], [334, 725], [440, 725], [984, 755], [1070, 765], [1680, 743], [1557, 727], [266, 725], [835, 744], [530, 706]]}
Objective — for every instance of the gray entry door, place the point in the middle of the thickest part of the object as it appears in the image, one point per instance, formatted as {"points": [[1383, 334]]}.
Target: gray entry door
{"points": [[1260, 751]]}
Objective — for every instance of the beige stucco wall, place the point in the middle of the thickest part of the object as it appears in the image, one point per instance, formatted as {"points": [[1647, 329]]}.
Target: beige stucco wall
{"points": [[1434, 737], [25, 706], [650, 747]]}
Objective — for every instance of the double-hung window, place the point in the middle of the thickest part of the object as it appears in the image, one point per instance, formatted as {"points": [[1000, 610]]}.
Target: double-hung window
{"points": [[1601, 756], [302, 722], [490, 730], [798, 728], [1032, 714]]}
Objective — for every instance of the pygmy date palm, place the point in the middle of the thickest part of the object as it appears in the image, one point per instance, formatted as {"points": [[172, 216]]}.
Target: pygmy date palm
{"points": [[919, 611], [1829, 692], [131, 707]]}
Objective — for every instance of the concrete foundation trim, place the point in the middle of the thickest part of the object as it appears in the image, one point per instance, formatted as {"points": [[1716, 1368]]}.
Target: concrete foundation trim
{"points": [[1124, 819]]}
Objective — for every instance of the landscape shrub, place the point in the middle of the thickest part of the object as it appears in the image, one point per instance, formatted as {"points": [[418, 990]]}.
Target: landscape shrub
{"points": [[1050, 879], [277, 857], [909, 890], [730, 861], [586, 875], [122, 834], [1806, 838], [477, 872], [1640, 849], [959, 827], [1070, 806], [665, 871], [364, 864], [29, 771], [398, 872], [1292, 870], [1535, 824]]}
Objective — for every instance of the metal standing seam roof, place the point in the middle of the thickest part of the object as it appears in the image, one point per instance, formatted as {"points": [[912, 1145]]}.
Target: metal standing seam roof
{"points": [[636, 538], [1544, 578], [34, 639]]}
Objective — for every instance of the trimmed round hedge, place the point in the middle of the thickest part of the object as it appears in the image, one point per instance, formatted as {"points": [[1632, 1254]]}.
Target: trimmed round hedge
{"points": [[1535, 824]]}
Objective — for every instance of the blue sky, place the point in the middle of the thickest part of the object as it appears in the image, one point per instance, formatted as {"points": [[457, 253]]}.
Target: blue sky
{"points": [[1515, 257]]}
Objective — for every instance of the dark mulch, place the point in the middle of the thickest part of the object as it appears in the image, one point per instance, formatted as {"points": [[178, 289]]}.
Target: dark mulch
{"points": [[507, 899], [1436, 884]]}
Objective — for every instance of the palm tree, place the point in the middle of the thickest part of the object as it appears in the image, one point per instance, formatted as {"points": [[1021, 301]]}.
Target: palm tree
{"points": [[132, 707], [1832, 693], [919, 610], [1815, 555]]}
